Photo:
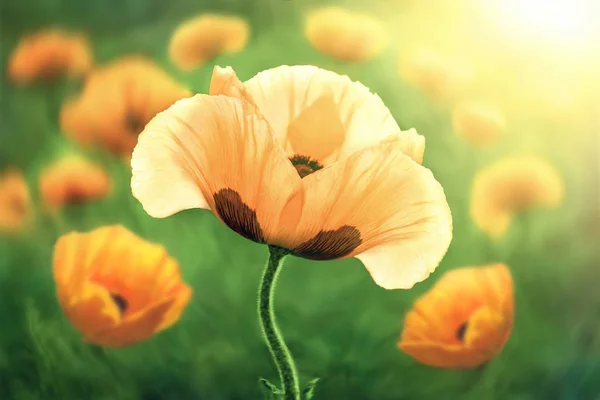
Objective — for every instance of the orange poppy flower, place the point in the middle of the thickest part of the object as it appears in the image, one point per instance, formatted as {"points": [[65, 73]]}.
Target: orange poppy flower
{"points": [[479, 123], [463, 321], [304, 159], [116, 103], [437, 76], [116, 288], [345, 35], [512, 185], [203, 38], [48, 54], [15, 201], [72, 180]]}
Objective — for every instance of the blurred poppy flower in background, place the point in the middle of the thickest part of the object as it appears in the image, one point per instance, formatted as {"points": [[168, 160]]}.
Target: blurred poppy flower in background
{"points": [[203, 38], [439, 77], [116, 103], [73, 180], [48, 54], [345, 35], [349, 183], [116, 288], [479, 123], [510, 186], [463, 321], [15, 201]]}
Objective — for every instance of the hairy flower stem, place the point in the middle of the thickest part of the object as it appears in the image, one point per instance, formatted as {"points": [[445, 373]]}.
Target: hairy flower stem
{"points": [[279, 351]]}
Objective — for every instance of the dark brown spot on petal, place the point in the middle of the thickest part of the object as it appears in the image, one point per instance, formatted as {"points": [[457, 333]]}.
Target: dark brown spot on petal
{"points": [[305, 165], [120, 302], [237, 215], [462, 330], [329, 245]]}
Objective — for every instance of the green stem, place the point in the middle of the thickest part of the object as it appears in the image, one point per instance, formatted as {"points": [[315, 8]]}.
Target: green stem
{"points": [[279, 351]]}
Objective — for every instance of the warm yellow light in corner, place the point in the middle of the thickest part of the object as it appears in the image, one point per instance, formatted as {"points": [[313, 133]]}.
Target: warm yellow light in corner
{"points": [[569, 21]]}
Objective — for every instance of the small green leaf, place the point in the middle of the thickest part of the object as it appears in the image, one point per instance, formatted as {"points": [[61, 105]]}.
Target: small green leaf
{"points": [[309, 389], [270, 387]]}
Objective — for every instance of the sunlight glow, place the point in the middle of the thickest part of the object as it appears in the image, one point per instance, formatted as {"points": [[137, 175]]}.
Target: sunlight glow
{"points": [[570, 21]]}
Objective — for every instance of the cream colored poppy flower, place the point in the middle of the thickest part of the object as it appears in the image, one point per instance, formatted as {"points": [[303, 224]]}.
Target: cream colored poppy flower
{"points": [[204, 37], [510, 186], [345, 35], [479, 123], [304, 159]]}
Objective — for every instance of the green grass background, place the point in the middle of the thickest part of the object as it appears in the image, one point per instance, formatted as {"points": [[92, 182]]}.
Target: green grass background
{"points": [[340, 326]]}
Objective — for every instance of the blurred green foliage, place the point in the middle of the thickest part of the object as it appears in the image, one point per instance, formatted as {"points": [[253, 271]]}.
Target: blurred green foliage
{"points": [[339, 324]]}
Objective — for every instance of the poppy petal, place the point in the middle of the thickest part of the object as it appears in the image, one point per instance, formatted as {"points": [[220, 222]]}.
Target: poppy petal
{"points": [[320, 114], [181, 298], [378, 205], [226, 82], [213, 152], [444, 356], [75, 256], [484, 331], [86, 305], [91, 309], [156, 274], [140, 326]]}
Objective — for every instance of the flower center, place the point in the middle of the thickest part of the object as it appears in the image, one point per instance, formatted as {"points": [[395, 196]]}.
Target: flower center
{"points": [[211, 50], [76, 196], [18, 205], [305, 165], [134, 124], [462, 330], [120, 302]]}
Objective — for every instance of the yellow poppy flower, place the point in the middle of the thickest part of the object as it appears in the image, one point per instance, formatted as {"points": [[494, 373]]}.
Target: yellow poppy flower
{"points": [[116, 288], [49, 53], [15, 201], [116, 103], [304, 159], [463, 321], [71, 180], [345, 35], [510, 186], [203, 38], [479, 123]]}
